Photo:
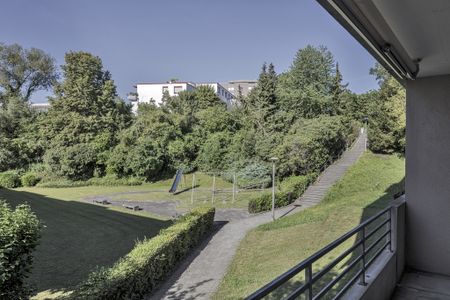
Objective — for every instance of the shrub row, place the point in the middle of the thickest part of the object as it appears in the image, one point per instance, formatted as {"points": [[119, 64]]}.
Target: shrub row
{"points": [[290, 189], [137, 273], [297, 185], [102, 181], [19, 234]]}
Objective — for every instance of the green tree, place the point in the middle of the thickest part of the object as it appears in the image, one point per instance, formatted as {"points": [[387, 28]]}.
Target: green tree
{"points": [[311, 144], [85, 106], [306, 89], [144, 147], [24, 71], [19, 135], [339, 94], [387, 117]]}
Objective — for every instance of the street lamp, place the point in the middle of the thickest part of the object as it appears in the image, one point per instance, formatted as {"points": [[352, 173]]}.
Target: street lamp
{"points": [[273, 160], [366, 128]]}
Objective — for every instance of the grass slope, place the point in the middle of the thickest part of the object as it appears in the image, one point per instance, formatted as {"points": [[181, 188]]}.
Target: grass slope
{"points": [[273, 248], [77, 237]]}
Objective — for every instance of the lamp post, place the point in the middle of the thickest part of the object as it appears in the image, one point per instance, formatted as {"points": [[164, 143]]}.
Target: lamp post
{"points": [[366, 128], [273, 160]]}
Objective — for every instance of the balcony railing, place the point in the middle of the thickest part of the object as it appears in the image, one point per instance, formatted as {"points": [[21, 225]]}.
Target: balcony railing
{"points": [[373, 236]]}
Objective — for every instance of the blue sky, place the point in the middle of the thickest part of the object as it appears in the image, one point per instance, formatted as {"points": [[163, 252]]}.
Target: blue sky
{"points": [[197, 40]]}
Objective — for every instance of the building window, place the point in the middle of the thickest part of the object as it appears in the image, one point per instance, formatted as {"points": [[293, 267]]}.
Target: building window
{"points": [[177, 89], [165, 89]]}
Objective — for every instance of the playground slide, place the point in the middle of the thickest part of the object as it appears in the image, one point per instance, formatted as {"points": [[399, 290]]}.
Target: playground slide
{"points": [[176, 181]]}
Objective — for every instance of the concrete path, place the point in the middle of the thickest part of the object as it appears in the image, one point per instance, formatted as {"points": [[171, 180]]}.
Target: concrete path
{"points": [[200, 274]]}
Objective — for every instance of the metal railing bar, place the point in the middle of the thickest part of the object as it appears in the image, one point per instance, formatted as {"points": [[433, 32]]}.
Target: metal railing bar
{"points": [[377, 228], [347, 285], [339, 277], [331, 265], [297, 292], [377, 241], [373, 218], [377, 254], [269, 287], [363, 269]]}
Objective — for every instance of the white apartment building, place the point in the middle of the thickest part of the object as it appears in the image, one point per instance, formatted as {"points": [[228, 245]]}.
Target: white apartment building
{"points": [[41, 107], [244, 85], [148, 92], [221, 92]]}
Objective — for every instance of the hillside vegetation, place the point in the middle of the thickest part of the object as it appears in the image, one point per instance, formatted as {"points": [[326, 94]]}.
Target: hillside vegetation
{"points": [[273, 248]]}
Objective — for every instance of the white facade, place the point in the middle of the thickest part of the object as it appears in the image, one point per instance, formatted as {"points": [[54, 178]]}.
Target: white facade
{"points": [[41, 107], [221, 92], [148, 92]]}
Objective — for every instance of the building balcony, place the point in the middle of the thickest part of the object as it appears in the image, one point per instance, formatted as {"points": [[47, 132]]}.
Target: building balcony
{"points": [[373, 267]]}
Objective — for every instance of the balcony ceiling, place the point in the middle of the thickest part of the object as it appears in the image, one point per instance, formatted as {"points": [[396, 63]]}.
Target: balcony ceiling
{"points": [[416, 31]]}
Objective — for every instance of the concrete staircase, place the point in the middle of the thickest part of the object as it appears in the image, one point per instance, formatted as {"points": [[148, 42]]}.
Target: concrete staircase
{"points": [[316, 192]]}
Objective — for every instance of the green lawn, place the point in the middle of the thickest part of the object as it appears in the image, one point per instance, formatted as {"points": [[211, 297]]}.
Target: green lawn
{"points": [[77, 236], [273, 248], [158, 191]]}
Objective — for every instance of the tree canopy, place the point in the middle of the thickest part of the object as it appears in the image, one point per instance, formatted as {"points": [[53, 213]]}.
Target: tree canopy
{"points": [[305, 116]]}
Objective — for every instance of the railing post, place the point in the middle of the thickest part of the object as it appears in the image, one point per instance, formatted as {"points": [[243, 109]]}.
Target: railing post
{"points": [[363, 274], [390, 228], [308, 280], [193, 188]]}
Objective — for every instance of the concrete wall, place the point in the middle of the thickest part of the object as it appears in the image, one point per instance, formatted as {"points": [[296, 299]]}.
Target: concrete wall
{"points": [[428, 174]]}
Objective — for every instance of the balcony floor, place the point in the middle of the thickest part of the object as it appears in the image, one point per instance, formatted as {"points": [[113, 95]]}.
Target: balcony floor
{"points": [[419, 285]]}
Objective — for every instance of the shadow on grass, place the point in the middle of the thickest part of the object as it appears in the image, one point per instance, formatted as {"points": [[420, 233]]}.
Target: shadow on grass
{"points": [[77, 237], [186, 189], [368, 211]]}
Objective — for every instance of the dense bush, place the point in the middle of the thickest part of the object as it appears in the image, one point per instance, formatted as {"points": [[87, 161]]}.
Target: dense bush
{"points": [[19, 234], [312, 144], [297, 185], [249, 173], [30, 179], [264, 201], [149, 262], [9, 180], [290, 189]]}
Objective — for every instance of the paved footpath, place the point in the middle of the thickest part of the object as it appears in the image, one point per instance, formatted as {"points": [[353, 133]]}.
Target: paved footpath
{"points": [[199, 276]]}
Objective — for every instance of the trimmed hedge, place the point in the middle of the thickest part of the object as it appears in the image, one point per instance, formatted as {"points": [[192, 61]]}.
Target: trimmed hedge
{"points": [[102, 181], [291, 188], [297, 185], [113, 180], [137, 273], [30, 179], [9, 180], [264, 201]]}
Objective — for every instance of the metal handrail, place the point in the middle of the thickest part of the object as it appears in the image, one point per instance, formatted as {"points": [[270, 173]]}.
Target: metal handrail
{"points": [[306, 265]]}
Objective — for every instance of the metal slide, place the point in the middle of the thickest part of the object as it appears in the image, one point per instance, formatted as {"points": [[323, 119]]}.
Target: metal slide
{"points": [[176, 181]]}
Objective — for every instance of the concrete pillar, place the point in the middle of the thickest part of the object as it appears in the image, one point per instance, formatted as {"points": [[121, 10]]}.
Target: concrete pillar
{"points": [[428, 174]]}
